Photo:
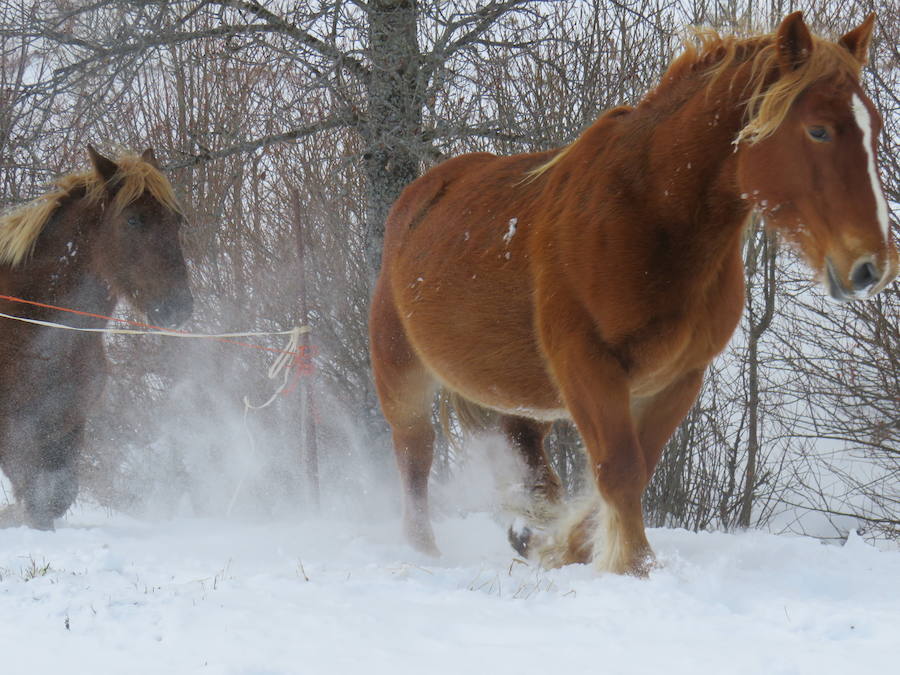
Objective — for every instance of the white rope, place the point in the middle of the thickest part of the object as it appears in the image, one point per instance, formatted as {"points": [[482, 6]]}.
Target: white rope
{"points": [[165, 333], [281, 366]]}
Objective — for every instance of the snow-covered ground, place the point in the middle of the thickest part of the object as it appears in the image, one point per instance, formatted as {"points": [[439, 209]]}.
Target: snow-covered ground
{"points": [[107, 593]]}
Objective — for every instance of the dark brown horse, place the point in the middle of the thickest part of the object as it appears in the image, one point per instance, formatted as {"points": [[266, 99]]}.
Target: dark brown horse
{"points": [[597, 282], [108, 233]]}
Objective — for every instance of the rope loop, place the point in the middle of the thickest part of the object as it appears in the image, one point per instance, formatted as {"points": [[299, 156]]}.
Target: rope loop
{"points": [[290, 355]]}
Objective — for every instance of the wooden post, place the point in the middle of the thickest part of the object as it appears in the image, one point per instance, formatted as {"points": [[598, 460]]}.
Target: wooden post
{"points": [[309, 450]]}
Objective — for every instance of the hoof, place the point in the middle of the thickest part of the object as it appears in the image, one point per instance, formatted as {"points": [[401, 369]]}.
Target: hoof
{"points": [[431, 550], [421, 538], [519, 536], [15, 515], [427, 547], [11, 516], [638, 565], [40, 522], [642, 567]]}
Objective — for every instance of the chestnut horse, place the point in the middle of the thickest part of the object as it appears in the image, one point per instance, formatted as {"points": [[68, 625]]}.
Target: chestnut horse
{"points": [[107, 233], [597, 282]]}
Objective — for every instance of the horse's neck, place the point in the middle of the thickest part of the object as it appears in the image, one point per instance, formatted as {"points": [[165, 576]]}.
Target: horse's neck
{"points": [[655, 198], [690, 179], [702, 158], [62, 269]]}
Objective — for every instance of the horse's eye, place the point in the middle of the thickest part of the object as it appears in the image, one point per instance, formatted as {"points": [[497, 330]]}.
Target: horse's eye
{"points": [[134, 221], [819, 133]]}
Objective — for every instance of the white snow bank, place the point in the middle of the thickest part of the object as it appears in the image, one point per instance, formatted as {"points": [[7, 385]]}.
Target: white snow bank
{"points": [[210, 596]]}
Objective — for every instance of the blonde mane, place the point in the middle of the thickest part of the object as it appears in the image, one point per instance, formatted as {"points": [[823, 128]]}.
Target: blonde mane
{"points": [[767, 103], [20, 228], [541, 169]]}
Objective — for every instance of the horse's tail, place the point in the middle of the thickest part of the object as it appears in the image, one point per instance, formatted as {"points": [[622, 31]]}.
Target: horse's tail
{"points": [[471, 417]]}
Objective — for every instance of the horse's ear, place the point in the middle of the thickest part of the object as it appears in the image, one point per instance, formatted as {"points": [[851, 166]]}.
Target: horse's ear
{"points": [[793, 41], [857, 40], [150, 157], [105, 168]]}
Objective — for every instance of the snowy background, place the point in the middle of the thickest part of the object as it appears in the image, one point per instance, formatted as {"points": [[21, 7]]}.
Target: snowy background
{"points": [[107, 593]]}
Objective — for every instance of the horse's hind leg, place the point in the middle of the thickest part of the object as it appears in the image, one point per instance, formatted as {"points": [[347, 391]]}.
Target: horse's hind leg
{"points": [[406, 390], [541, 481], [527, 436]]}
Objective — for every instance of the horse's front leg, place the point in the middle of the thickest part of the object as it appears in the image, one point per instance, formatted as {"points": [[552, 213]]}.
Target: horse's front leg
{"points": [[657, 417], [594, 386], [51, 484]]}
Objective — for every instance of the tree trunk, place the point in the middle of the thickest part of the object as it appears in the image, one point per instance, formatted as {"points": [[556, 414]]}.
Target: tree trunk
{"points": [[758, 326], [393, 127]]}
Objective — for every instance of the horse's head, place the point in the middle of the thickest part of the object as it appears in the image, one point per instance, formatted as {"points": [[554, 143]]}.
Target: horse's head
{"points": [[814, 172], [138, 248]]}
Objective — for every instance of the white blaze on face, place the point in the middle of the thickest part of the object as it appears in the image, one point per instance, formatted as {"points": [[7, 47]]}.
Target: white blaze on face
{"points": [[864, 122]]}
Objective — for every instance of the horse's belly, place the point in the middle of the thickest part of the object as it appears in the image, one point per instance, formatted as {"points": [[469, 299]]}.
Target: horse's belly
{"points": [[483, 347], [524, 391]]}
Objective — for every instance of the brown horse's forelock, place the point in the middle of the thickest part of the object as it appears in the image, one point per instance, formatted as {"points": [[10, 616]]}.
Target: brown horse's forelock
{"points": [[20, 228]]}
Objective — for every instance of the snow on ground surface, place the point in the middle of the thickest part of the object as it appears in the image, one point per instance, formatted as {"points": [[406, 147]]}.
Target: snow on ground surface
{"points": [[108, 593]]}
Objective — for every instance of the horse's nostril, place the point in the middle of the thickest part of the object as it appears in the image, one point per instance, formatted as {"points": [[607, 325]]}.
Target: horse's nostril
{"points": [[865, 275]]}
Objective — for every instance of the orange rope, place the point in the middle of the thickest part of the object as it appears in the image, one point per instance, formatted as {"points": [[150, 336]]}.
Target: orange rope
{"points": [[138, 324]]}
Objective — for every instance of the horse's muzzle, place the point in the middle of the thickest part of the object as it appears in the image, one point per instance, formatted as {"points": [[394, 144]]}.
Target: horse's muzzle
{"points": [[867, 278], [174, 311]]}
